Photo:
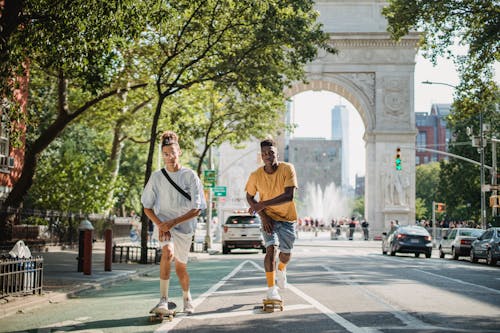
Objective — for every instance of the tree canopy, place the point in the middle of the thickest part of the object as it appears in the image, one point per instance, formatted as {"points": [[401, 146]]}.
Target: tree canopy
{"points": [[470, 24]]}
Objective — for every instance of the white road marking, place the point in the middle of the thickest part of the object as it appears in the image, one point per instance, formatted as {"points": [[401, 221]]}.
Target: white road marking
{"points": [[459, 281], [170, 325], [331, 314], [406, 318]]}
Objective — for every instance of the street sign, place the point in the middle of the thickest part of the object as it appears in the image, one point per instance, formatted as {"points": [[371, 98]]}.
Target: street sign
{"points": [[209, 178], [219, 191]]}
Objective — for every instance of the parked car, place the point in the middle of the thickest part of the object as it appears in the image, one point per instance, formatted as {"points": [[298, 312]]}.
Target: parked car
{"points": [[458, 241], [486, 246], [242, 231], [407, 239]]}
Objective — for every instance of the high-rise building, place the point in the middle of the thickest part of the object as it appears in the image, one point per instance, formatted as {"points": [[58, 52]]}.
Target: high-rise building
{"points": [[340, 128]]}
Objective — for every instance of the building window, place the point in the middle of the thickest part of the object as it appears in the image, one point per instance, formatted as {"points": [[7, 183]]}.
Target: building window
{"points": [[422, 139], [5, 161]]}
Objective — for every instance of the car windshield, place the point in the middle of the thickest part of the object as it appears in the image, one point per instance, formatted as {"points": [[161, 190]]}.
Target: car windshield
{"points": [[243, 220], [413, 230], [471, 232]]}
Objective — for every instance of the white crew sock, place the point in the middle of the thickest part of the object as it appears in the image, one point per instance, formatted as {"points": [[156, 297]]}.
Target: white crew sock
{"points": [[186, 294]]}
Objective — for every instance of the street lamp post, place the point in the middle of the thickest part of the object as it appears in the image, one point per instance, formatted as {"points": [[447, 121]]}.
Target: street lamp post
{"points": [[482, 143]]}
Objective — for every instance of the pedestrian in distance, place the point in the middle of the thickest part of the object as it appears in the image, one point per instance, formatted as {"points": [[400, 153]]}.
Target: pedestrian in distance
{"points": [[352, 226], [364, 226], [172, 199], [275, 183]]}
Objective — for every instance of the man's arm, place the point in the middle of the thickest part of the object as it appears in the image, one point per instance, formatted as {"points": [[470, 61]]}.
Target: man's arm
{"points": [[166, 226], [282, 198]]}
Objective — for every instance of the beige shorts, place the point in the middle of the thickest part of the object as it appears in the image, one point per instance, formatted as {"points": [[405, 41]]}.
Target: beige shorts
{"points": [[182, 245]]}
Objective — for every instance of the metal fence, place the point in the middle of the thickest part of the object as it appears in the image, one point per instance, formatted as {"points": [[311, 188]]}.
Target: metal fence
{"points": [[132, 253], [21, 276]]}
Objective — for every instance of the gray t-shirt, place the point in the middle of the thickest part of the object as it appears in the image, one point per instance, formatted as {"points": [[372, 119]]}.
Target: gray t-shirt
{"points": [[168, 203]]}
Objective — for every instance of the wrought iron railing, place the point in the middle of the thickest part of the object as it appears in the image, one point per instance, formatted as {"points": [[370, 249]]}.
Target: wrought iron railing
{"points": [[21, 276]]}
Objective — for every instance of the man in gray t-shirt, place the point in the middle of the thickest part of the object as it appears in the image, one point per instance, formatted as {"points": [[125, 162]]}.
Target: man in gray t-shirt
{"points": [[174, 213]]}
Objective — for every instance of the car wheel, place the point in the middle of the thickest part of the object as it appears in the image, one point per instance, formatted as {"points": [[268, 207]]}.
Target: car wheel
{"points": [[428, 254], [441, 253], [454, 253], [417, 255], [489, 259], [225, 249], [472, 256]]}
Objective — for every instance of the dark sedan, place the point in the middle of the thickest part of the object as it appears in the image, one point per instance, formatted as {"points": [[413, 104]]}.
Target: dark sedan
{"points": [[408, 239], [487, 246]]}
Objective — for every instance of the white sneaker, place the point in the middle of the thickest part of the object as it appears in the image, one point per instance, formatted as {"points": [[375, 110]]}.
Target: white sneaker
{"points": [[281, 279], [272, 294], [188, 306], [162, 306]]}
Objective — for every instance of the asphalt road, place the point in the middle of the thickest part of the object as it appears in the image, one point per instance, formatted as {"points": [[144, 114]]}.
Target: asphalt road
{"points": [[332, 289]]}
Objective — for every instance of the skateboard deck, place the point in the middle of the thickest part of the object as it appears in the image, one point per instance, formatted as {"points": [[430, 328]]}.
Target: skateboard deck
{"points": [[154, 316], [269, 305]]}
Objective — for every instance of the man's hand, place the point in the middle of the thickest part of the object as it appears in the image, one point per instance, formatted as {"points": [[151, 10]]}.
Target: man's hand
{"points": [[267, 225]]}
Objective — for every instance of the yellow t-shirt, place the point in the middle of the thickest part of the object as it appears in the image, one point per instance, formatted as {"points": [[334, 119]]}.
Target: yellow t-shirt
{"points": [[270, 186]]}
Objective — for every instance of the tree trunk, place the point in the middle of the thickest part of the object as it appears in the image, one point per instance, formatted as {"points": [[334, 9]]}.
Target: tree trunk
{"points": [[149, 168]]}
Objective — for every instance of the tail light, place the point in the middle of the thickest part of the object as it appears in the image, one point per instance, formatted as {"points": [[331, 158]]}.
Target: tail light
{"points": [[428, 238], [226, 228], [465, 242], [400, 236]]}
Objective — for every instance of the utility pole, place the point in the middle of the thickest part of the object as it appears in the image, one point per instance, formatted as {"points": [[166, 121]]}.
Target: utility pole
{"points": [[482, 144], [494, 140]]}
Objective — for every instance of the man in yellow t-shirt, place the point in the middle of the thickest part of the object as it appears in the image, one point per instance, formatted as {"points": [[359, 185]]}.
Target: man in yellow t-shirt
{"points": [[275, 183]]}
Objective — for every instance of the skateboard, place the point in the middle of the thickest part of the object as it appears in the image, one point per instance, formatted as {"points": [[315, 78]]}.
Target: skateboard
{"points": [[269, 305], [160, 316]]}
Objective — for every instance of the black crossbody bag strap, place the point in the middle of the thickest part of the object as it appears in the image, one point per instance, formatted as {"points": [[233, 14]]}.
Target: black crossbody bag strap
{"points": [[181, 191]]}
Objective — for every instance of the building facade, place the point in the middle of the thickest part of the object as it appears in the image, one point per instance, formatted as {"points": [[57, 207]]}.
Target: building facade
{"points": [[432, 133]]}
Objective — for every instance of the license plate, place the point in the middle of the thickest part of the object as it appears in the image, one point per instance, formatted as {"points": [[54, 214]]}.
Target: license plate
{"points": [[413, 240]]}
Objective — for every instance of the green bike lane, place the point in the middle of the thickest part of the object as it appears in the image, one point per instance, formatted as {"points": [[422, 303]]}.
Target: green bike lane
{"points": [[121, 307]]}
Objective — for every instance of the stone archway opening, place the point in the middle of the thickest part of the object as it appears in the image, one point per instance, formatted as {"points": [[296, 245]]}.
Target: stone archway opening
{"points": [[328, 151]]}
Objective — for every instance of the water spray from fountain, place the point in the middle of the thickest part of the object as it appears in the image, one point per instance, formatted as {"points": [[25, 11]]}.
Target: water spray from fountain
{"points": [[328, 204]]}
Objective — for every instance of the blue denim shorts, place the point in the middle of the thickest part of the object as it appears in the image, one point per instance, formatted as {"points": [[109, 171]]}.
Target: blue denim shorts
{"points": [[283, 233]]}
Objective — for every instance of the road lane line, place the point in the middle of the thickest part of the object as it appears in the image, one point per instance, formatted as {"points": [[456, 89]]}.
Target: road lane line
{"points": [[331, 314], [405, 317], [170, 325], [459, 281]]}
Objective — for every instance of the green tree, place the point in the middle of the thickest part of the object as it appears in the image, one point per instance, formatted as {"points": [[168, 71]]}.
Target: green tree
{"points": [[359, 206], [208, 115], [71, 175], [421, 211], [426, 186], [249, 44], [76, 43], [469, 23]]}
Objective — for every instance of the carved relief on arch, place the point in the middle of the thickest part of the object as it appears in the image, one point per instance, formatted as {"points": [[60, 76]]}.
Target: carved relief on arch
{"points": [[365, 82], [394, 96]]}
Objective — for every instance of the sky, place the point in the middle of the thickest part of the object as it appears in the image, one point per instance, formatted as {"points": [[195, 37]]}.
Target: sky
{"points": [[312, 108]]}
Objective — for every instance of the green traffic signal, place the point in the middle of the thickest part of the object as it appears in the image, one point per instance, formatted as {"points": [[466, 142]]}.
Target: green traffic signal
{"points": [[398, 159]]}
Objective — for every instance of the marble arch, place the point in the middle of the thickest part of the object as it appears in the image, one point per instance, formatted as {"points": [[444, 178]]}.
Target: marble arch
{"points": [[376, 75]]}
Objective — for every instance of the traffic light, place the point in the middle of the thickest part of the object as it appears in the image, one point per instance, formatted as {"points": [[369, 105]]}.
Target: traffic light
{"points": [[398, 159]]}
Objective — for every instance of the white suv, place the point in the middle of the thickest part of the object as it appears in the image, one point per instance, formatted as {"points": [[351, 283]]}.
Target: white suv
{"points": [[242, 231]]}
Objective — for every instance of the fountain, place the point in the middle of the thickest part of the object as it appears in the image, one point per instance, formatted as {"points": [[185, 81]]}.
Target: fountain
{"points": [[327, 205]]}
